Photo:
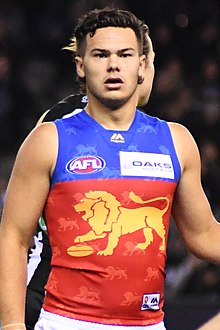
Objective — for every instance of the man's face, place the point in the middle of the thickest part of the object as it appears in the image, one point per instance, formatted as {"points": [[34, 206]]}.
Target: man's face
{"points": [[111, 66]]}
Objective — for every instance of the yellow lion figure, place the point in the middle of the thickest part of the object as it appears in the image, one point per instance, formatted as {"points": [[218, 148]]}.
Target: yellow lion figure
{"points": [[106, 216]]}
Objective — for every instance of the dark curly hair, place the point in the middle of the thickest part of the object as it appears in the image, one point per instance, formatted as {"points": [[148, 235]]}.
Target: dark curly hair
{"points": [[100, 18], [106, 17]]}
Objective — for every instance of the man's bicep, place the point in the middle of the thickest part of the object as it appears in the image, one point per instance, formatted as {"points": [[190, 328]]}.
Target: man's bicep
{"points": [[28, 186], [191, 208]]}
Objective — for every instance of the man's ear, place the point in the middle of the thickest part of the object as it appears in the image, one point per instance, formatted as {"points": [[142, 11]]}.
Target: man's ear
{"points": [[142, 69], [80, 67], [143, 64]]}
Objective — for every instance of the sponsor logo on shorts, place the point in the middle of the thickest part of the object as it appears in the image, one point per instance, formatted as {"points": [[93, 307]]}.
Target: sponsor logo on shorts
{"points": [[85, 165]]}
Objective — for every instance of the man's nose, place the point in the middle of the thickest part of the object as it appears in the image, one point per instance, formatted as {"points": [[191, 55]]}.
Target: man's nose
{"points": [[113, 63]]}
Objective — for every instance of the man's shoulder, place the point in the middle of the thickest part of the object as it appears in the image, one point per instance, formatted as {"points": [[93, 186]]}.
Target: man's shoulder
{"points": [[149, 119]]}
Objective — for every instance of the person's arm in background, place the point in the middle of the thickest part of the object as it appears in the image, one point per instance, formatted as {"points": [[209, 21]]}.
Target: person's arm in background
{"points": [[41, 119], [63, 108], [212, 324]]}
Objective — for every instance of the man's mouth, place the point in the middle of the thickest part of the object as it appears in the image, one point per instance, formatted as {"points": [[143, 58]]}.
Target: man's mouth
{"points": [[114, 83]]}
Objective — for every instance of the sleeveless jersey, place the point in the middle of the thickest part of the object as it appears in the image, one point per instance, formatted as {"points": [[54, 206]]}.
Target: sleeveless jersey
{"points": [[107, 215]]}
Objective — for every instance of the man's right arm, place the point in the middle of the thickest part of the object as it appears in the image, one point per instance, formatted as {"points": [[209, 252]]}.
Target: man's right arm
{"points": [[25, 198]]}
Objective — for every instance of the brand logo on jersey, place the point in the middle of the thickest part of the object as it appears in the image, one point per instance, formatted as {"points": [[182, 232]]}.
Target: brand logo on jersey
{"points": [[146, 164], [117, 138], [85, 165], [150, 301]]}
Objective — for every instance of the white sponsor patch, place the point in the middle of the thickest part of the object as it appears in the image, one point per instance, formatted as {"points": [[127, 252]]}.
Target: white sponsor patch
{"points": [[150, 301], [146, 164]]}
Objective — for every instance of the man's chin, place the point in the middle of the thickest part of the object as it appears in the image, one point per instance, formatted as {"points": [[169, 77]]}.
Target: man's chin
{"points": [[114, 103]]}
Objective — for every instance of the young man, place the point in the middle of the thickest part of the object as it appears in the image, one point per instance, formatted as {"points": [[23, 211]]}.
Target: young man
{"points": [[106, 179], [40, 256]]}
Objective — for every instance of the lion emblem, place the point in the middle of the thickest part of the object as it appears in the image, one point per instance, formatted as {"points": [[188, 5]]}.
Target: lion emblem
{"points": [[115, 272], [152, 274], [88, 294], [131, 298], [107, 217], [67, 224], [131, 248]]}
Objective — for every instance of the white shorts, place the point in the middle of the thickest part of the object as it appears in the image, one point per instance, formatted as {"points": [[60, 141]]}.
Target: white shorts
{"points": [[50, 321]]}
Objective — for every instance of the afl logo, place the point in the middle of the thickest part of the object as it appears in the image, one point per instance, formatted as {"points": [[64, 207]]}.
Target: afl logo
{"points": [[85, 165]]}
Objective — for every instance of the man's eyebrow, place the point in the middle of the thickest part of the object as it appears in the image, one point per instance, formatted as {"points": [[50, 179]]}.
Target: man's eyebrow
{"points": [[100, 50], [126, 50], [108, 51]]}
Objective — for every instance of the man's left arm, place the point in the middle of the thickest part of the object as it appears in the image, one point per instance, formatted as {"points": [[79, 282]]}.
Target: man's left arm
{"points": [[191, 209]]}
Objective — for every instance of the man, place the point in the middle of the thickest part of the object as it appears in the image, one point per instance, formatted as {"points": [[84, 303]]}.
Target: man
{"points": [[106, 179], [40, 256]]}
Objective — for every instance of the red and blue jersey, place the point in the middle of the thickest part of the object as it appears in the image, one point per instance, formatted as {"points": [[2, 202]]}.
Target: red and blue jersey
{"points": [[107, 214]]}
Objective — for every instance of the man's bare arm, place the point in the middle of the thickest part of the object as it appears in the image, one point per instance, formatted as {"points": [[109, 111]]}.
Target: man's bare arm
{"points": [[25, 197], [191, 209]]}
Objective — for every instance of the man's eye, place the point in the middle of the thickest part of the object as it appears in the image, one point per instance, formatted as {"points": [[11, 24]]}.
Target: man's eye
{"points": [[100, 55], [126, 55]]}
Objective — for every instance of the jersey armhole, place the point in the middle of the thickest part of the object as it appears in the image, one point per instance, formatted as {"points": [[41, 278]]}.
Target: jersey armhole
{"points": [[61, 151]]}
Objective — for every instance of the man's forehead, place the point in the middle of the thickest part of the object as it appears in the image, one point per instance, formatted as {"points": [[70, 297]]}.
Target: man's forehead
{"points": [[112, 35]]}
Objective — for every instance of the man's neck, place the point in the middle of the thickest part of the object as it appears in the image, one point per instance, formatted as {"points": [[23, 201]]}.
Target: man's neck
{"points": [[117, 119]]}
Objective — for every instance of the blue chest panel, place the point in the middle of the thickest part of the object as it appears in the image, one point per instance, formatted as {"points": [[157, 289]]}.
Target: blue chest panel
{"points": [[89, 151]]}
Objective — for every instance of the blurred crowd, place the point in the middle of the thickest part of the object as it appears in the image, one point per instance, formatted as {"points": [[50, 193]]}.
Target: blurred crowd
{"points": [[35, 74]]}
